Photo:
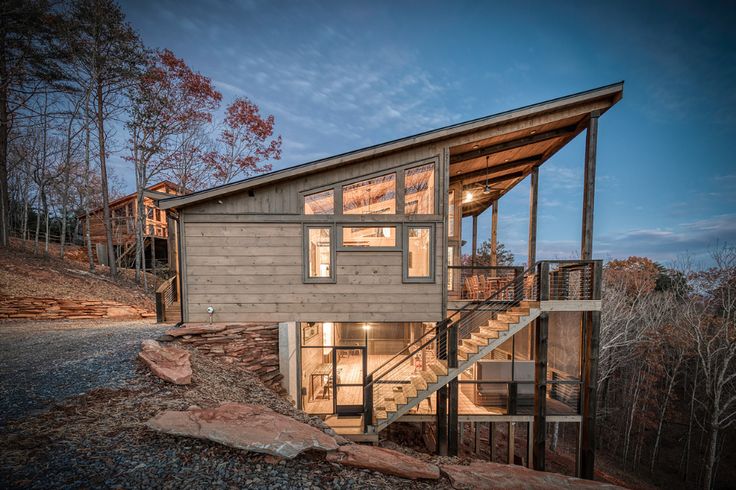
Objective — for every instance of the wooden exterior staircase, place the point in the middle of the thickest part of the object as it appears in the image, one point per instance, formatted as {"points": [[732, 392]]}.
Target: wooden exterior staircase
{"points": [[471, 333], [477, 345]]}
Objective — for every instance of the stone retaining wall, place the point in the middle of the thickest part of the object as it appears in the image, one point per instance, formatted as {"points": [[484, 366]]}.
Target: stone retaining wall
{"points": [[255, 346], [69, 309]]}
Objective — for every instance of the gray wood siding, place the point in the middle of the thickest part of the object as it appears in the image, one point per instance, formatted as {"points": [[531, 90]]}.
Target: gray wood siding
{"points": [[253, 272]]}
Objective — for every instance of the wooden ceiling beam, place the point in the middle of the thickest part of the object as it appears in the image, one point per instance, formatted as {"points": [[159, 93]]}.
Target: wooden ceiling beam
{"points": [[521, 162], [500, 178], [517, 143]]}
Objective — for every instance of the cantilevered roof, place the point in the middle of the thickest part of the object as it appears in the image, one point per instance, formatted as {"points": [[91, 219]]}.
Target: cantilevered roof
{"points": [[511, 155]]}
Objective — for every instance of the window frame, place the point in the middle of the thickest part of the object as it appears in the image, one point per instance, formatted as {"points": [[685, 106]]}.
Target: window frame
{"points": [[435, 193], [398, 211], [405, 278], [306, 194], [332, 279], [365, 224]]}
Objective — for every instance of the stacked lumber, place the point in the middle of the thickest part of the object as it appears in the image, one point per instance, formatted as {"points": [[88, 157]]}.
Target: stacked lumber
{"points": [[68, 309], [254, 346]]}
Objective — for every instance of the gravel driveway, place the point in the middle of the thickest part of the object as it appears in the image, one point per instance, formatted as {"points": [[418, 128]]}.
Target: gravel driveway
{"points": [[45, 362]]}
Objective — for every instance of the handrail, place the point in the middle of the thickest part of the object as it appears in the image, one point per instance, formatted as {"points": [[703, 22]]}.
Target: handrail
{"points": [[450, 324], [447, 320]]}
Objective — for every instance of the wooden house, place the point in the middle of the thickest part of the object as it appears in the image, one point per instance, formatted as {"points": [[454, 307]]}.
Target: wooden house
{"points": [[123, 212], [357, 256]]}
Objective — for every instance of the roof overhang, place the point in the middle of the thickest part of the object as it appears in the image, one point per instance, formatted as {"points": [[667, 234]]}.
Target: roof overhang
{"points": [[514, 153]]}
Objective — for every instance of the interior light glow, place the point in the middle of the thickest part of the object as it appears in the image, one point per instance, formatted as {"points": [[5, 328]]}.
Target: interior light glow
{"points": [[468, 197]]}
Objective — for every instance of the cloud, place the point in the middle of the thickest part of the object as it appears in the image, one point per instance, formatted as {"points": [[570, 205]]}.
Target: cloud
{"points": [[667, 244]]}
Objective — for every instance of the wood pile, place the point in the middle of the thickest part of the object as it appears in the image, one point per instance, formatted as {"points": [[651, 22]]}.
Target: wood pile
{"points": [[68, 309], [254, 346]]}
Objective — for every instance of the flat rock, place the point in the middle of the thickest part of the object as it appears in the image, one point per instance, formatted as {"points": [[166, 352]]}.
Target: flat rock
{"points": [[483, 475], [168, 363], [385, 461], [196, 329], [165, 338], [251, 427]]}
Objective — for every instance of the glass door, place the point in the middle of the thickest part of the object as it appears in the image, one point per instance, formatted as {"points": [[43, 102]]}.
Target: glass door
{"points": [[349, 364]]}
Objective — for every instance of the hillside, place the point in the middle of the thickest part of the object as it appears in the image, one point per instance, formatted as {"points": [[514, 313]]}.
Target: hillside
{"points": [[48, 282]]}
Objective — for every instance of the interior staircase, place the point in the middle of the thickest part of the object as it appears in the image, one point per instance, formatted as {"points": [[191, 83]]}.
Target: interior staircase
{"points": [[423, 367]]}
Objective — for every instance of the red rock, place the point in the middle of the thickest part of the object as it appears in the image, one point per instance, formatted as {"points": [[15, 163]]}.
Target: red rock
{"points": [[385, 461], [168, 363], [250, 427], [483, 475], [196, 329]]}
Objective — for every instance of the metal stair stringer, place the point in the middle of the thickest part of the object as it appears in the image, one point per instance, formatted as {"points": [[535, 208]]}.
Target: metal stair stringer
{"points": [[453, 373]]}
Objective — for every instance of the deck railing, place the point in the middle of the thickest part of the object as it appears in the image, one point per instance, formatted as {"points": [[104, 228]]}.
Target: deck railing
{"points": [[166, 296], [478, 282], [545, 280]]}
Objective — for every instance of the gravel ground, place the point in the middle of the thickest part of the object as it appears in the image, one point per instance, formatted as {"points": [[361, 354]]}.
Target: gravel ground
{"points": [[45, 362], [98, 440]]}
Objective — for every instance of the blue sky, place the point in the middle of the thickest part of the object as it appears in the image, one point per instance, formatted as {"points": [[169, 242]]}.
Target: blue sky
{"points": [[344, 75]]}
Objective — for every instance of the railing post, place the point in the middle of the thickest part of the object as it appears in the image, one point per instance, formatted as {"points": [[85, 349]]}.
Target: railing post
{"points": [[543, 281], [518, 287], [597, 279], [160, 309], [368, 402]]}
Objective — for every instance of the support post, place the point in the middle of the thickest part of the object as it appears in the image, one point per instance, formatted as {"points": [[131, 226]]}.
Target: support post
{"points": [[530, 459], [368, 401], [476, 440], [494, 233], [591, 148], [533, 196], [512, 443], [475, 239], [452, 401], [442, 421], [590, 379], [540, 392], [491, 433]]}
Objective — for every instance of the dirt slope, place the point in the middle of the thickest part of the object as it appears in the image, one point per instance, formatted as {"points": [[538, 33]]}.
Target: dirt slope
{"points": [[23, 274]]}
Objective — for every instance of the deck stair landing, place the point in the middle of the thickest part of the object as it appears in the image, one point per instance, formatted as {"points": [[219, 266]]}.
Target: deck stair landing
{"points": [[480, 342]]}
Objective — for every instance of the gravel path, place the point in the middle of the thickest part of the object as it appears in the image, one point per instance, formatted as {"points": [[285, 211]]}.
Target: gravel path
{"points": [[46, 362]]}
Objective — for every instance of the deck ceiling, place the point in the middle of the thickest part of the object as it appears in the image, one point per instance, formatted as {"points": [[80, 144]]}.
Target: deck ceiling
{"points": [[505, 160]]}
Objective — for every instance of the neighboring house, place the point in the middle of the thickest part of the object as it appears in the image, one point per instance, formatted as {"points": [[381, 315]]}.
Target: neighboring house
{"points": [[123, 212], [358, 257]]}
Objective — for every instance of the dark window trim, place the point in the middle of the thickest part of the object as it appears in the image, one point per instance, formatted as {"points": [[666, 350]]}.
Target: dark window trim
{"points": [[305, 255], [405, 278]]}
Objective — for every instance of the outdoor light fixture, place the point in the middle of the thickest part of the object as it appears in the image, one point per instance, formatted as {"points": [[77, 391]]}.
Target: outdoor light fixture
{"points": [[210, 312], [468, 197], [366, 326], [487, 188]]}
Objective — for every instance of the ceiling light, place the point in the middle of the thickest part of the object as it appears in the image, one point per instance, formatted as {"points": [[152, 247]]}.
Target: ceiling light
{"points": [[468, 197], [475, 147], [533, 131]]}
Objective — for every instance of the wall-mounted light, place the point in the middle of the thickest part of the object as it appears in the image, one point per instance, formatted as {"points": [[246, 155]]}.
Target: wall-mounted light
{"points": [[468, 197], [210, 312]]}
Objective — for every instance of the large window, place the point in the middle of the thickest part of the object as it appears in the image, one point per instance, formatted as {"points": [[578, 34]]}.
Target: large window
{"points": [[419, 190], [320, 254], [369, 236], [418, 255], [372, 196], [320, 203]]}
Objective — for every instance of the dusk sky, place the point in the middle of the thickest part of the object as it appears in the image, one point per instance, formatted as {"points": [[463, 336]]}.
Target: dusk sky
{"points": [[343, 75]]}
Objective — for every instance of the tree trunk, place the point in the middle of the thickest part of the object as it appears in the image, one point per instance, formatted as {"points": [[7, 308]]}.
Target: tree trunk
{"points": [[87, 190], [711, 457], [663, 412], [65, 190], [4, 195], [103, 177], [46, 218]]}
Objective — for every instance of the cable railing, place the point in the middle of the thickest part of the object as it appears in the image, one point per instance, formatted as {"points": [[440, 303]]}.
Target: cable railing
{"points": [[478, 282], [431, 355], [418, 364]]}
